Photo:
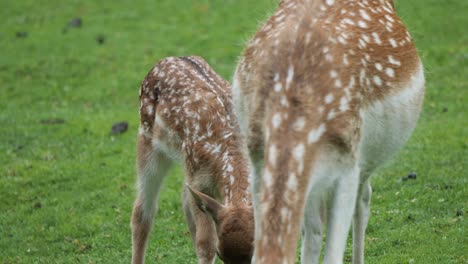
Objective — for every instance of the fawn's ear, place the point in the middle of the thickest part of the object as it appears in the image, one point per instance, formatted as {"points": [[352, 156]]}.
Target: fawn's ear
{"points": [[206, 204]]}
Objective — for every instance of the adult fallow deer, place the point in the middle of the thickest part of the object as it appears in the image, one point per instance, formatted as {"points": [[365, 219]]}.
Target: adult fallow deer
{"points": [[327, 91]]}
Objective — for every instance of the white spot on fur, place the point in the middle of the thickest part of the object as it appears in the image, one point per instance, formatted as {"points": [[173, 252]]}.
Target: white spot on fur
{"points": [[315, 134], [231, 180], [284, 101], [342, 40], [351, 83], [298, 152], [331, 115], [365, 38], [390, 72], [364, 15], [362, 76], [344, 104], [348, 21], [378, 66], [338, 83], [276, 78], [284, 213], [362, 24], [393, 43], [267, 178], [292, 182], [290, 76], [389, 18], [393, 61], [272, 154], [278, 87], [307, 38], [276, 120], [329, 98], [362, 44], [299, 124], [377, 80], [376, 38], [345, 59], [150, 109]]}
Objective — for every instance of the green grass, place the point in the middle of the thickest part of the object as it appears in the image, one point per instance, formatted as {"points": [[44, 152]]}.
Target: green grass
{"points": [[66, 190]]}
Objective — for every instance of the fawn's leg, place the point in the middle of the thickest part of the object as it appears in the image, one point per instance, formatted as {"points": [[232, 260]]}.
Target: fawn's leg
{"points": [[202, 229], [256, 170], [152, 167], [187, 206], [361, 219], [341, 212]]}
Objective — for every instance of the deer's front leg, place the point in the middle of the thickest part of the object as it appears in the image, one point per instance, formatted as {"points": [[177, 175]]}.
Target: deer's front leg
{"points": [[189, 218], [152, 167], [205, 238]]}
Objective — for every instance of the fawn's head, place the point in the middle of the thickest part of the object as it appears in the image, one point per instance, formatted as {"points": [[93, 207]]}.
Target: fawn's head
{"points": [[234, 225]]}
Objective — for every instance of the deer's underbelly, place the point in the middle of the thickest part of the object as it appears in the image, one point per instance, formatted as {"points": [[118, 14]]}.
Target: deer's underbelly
{"points": [[388, 123]]}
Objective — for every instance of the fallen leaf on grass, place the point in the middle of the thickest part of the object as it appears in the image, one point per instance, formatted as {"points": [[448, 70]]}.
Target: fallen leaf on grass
{"points": [[38, 205], [21, 34], [119, 128], [76, 22], [52, 121], [100, 39]]}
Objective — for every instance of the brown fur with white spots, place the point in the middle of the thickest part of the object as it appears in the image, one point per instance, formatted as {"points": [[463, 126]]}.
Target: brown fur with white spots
{"points": [[327, 91], [186, 113]]}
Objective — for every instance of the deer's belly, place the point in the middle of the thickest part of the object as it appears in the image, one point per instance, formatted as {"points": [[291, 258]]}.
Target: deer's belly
{"points": [[388, 123]]}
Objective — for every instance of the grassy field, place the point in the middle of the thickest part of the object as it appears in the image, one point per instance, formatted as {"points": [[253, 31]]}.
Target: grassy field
{"points": [[67, 185]]}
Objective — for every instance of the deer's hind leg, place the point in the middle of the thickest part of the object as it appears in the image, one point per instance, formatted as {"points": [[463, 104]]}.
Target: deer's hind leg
{"points": [[340, 214], [361, 219], [332, 190], [152, 167], [312, 228]]}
